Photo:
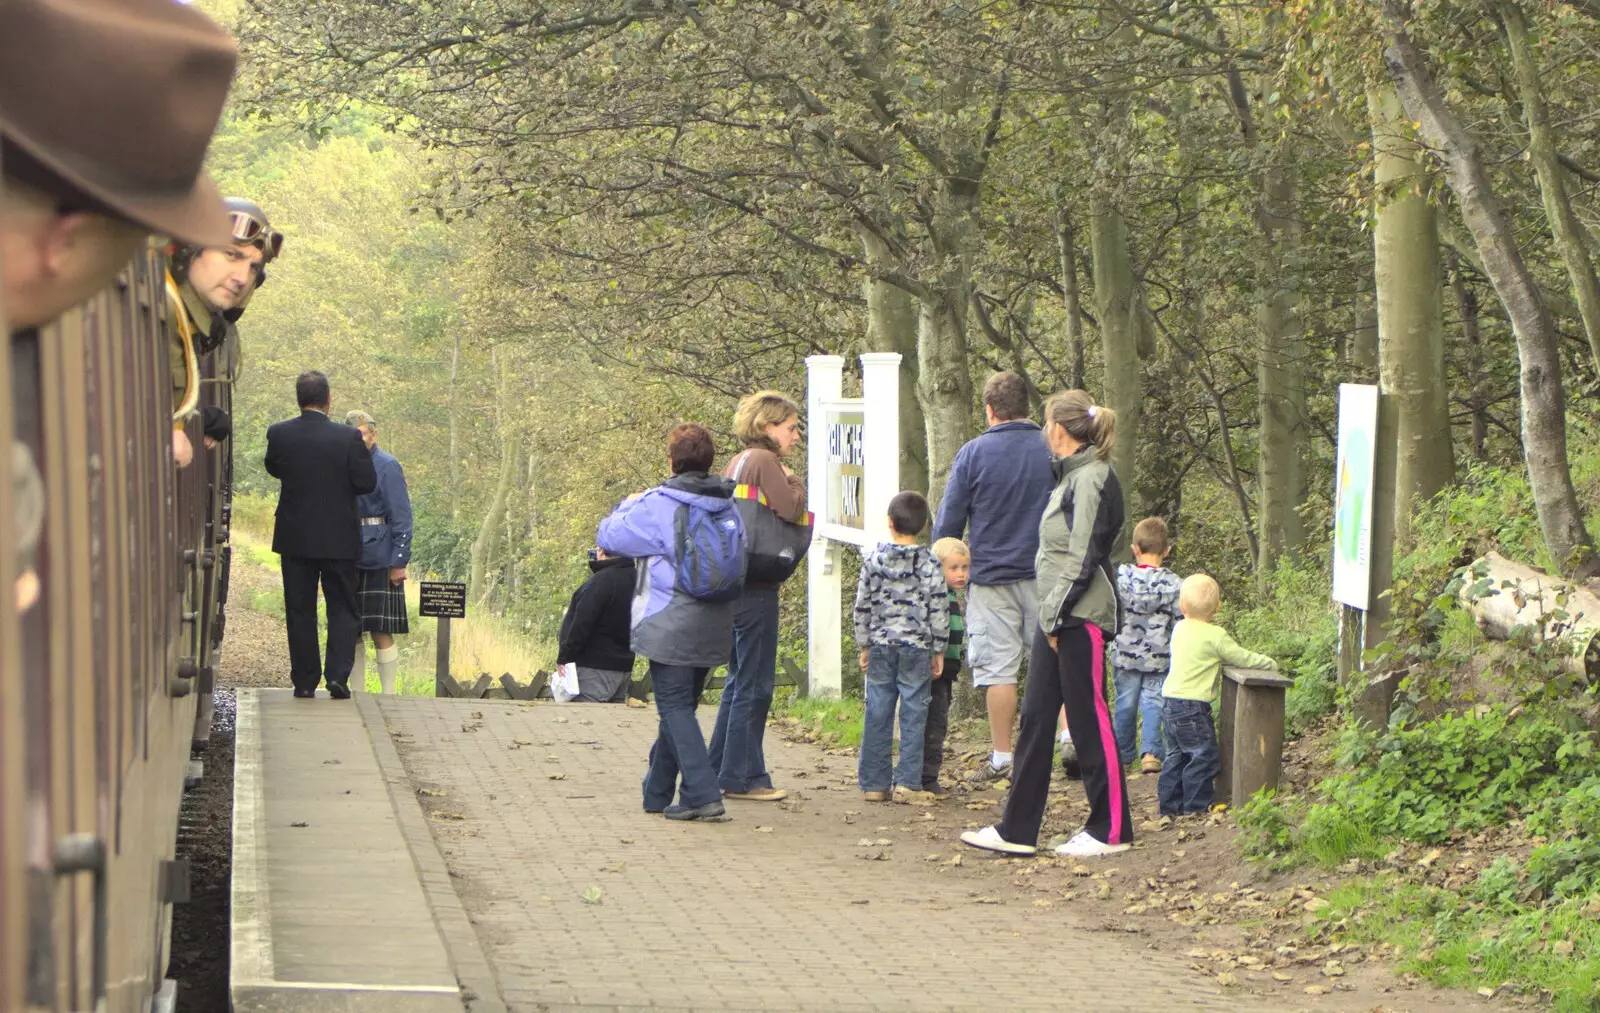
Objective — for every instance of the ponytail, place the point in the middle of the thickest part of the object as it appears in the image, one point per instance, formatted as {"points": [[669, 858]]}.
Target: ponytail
{"points": [[1085, 421]]}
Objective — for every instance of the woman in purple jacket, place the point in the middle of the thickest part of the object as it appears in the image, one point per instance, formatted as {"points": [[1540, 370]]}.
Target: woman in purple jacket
{"points": [[683, 637]]}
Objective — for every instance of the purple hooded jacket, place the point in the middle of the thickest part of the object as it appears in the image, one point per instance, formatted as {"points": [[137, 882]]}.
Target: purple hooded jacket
{"points": [[669, 626]]}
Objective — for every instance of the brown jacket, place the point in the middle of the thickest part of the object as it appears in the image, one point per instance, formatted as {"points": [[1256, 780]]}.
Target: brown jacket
{"points": [[761, 468]]}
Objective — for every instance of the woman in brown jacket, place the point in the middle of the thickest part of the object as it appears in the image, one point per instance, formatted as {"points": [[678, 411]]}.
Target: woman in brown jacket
{"points": [[769, 425]]}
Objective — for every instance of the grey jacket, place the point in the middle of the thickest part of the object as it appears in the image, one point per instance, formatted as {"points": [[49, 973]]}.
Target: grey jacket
{"points": [[1081, 523], [901, 599]]}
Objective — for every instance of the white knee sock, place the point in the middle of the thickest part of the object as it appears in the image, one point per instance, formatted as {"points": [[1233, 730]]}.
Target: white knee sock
{"points": [[358, 669], [388, 667]]}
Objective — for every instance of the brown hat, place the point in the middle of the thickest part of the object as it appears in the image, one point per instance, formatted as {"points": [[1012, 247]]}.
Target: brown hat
{"points": [[120, 99]]}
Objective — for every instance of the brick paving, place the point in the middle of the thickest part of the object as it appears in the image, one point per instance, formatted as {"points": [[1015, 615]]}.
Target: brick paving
{"points": [[581, 901]]}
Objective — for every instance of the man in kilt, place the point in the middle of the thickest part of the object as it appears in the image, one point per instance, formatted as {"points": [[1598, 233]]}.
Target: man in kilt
{"points": [[385, 551]]}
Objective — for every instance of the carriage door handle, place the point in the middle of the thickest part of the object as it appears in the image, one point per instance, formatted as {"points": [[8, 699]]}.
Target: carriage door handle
{"points": [[79, 853]]}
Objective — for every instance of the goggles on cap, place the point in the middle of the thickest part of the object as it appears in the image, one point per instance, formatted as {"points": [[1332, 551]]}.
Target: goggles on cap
{"points": [[247, 228]]}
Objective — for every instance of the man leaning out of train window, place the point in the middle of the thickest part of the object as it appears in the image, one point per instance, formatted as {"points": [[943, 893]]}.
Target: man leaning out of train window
{"points": [[73, 209]]}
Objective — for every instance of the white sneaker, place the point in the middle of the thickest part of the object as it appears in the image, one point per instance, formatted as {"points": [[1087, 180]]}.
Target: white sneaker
{"points": [[1085, 846], [989, 839]]}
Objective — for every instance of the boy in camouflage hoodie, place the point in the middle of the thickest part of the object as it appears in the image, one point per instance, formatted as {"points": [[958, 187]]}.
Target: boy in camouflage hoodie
{"points": [[902, 621], [1142, 650]]}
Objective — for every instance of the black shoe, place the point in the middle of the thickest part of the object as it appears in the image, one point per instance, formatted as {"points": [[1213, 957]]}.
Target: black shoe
{"points": [[711, 812], [338, 691], [304, 694], [654, 812]]}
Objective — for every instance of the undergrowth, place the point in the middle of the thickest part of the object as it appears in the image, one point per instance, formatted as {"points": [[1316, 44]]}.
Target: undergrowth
{"points": [[1477, 741], [831, 722]]}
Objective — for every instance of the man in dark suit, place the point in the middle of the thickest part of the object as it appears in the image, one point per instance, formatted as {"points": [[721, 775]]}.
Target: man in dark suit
{"points": [[323, 467]]}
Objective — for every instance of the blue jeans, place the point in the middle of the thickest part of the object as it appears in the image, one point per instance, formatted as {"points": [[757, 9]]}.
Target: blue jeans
{"points": [[1138, 697], [736, 753], [902, 674], [680, 749], [1191, 766]]}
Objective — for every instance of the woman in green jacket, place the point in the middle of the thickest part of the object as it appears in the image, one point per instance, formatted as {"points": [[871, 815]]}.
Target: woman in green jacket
{"points": [[1078, 611]]}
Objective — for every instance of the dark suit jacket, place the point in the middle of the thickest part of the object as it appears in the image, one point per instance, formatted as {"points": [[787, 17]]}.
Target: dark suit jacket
{"points": [[323, 466]]}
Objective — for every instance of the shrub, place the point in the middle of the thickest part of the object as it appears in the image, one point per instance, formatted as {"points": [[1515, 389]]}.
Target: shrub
{"points": [[1459, 772]]}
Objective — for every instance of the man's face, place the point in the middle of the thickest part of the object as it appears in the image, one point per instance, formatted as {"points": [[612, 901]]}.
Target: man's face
{"points": [[222, 275], [369, 436], [51, 262]]}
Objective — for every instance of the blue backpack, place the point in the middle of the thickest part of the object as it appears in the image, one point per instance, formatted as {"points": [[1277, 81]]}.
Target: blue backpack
{"points": [[709, 560]]}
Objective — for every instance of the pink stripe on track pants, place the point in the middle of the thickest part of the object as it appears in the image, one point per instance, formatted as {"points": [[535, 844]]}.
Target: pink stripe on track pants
{"points": [[1074, 676]]}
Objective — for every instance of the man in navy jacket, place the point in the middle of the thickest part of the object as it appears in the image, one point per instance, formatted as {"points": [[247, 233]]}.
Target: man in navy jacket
{"points": [[998, 486], [323, 467], [385, 553]]}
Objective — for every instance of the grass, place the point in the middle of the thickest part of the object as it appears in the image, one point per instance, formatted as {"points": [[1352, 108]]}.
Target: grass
{"points": [[833, 722], [1461, 943]]}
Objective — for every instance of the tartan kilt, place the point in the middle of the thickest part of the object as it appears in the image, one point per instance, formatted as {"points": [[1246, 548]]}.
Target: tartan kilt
{"points": [[382, 604]]}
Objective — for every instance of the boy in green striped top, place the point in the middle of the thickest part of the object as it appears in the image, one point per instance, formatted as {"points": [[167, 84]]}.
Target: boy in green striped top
{"points": [[956, 559]]}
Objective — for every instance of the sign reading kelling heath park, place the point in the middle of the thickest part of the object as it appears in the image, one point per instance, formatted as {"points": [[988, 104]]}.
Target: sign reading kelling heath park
{"points": [[852, 472], [1353, 494]]}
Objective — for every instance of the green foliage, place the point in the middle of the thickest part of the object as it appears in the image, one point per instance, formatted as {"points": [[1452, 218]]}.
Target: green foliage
{"points": [[1293, 621], [1459, 772], [1483, 940], [832, 722]]}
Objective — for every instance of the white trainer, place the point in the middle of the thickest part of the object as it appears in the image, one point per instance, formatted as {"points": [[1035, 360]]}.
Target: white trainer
{"points": [[1085, 846], [989, 839]]}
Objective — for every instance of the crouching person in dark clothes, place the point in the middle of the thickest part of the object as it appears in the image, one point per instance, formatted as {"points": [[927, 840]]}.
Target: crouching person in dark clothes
{"points": [[595, 632], [385, 551]]}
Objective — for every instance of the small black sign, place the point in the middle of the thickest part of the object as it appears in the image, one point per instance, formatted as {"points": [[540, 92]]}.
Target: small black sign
{"points": [[444, 601]]}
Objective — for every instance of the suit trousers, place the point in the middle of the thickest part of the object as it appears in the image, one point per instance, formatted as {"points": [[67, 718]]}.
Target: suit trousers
{"points": [[338, 580]]}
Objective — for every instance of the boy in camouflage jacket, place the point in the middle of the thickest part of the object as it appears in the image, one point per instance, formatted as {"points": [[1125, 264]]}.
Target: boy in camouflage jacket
{"points": [[1142, 650], [902, 625]]}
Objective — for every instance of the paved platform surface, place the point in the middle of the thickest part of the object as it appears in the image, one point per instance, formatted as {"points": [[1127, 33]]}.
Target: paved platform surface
{"points": [[576, 900], [330, 912]]}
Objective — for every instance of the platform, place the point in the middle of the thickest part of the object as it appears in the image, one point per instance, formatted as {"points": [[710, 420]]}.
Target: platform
{"points": [[329, 909]]}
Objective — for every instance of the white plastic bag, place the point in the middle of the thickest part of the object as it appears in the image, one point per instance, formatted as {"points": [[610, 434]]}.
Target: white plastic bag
{"points": [[564, 682]]}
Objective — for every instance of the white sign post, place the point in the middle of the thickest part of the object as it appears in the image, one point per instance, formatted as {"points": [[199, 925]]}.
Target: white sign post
{"points": [[852, 472]]}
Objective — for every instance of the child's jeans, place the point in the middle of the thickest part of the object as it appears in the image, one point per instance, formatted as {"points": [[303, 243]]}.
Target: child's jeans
{"points": [[1138, 696], [903, 675], [1191, 763]]}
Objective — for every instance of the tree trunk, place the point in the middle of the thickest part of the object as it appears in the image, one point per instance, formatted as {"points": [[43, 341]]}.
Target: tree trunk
{"points": [[1410, 314], [1118, 302], [483, 546], [1544, 423], [1503, 596], [1067, 245], [892, 327], [944, 378], [455, 457], [944, 385], [1280, 373], [1361, 365], [1472, 334], [1552, 178]]}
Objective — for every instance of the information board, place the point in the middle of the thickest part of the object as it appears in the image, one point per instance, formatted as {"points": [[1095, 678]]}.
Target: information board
{"points": [[846, 466], [444, 600], [1353, 494]]}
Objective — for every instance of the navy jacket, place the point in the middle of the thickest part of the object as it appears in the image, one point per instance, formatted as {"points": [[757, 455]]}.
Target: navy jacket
{"points": [[323, 466], [388, 545], [999, 484]]}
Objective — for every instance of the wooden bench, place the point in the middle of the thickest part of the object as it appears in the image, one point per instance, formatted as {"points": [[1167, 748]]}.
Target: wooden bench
{"points": [[1250, 732]]}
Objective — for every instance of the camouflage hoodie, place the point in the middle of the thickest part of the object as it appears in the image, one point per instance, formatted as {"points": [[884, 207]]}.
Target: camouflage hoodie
{"points": [[1150, 606], [901, 599]]}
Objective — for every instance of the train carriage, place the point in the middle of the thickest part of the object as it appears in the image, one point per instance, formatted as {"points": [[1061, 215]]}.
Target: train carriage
{"points": [[107, 678]]}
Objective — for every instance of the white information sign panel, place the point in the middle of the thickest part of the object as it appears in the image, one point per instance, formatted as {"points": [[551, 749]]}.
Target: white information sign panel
{"points": [[846, 465], [1353, 494]]}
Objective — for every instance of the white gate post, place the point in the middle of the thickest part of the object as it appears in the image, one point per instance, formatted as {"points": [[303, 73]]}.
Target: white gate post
{"points": [[824, 588], [880, 394]]}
